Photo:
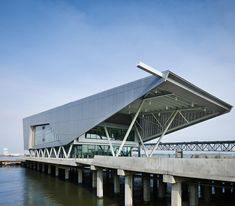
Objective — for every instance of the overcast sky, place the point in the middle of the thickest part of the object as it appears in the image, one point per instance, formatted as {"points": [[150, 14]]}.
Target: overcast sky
{"points": [[54, 52]]}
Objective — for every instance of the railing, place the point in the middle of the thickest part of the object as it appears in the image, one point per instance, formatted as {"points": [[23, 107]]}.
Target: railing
{"points": [[209, 146]]}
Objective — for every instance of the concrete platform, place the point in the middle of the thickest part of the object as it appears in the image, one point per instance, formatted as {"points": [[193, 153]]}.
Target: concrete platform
{"points": [[210, 169]]}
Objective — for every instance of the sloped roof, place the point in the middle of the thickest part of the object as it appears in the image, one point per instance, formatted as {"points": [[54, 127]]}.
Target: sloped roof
{"points": [[74, 119]]}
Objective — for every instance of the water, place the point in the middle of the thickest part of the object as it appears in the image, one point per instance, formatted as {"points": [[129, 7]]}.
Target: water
{"points": [[20, 186]]}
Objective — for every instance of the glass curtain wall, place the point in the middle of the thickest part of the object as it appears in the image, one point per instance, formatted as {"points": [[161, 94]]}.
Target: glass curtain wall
{"points": [[98, 133]]}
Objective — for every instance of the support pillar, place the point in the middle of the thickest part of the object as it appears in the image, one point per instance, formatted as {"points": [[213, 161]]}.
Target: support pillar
{"points": [[155, 182], [193, 195], [79, 175], [146, 187], [161, 188], [116, 183], [232, 188], [207, 193], [218, 191], [43, 167], [128, 190], [38, 166], [94, 179], [176, 191], [56, 171], [99, 183], [100, 202], [49, 169], [66, 173]]}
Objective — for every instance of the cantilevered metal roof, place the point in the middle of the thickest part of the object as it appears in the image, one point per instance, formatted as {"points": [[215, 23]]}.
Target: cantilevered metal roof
{"points": [[162, 97]]}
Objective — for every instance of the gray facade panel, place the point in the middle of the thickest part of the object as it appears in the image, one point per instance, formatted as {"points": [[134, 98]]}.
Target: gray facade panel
{"points": [[74, 119]]}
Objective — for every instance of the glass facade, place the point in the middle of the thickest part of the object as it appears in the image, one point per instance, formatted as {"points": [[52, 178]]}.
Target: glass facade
{"points": [[119, 133], [89, 151], [98, 148], [94, 142], [43, 134], [114, 133], [96, 133]]}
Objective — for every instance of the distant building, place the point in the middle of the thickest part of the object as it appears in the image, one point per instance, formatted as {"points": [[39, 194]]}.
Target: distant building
{"points": [[5, 152]]}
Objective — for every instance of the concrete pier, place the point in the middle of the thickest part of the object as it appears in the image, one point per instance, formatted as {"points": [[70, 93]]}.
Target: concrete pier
{"points": [[94, 179], [176, 193], [66, 173], [181, 170], [99, 183], [49, 169], [207, 193], [128, 190], [161, 188], [116, 183], [176, 189], [146, 187], [79, 175], [193, 194], [56, 171], [43, 167]]}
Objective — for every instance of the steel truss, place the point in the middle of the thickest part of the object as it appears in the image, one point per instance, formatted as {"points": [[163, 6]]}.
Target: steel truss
{"points": [[52, 152], [207, 146]]}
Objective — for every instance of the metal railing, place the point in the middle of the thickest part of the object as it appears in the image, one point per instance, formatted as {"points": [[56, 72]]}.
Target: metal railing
{"points": [[209, 146]]}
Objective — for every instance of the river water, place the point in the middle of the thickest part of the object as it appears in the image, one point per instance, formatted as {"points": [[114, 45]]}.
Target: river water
{"points": [[25, 187]]}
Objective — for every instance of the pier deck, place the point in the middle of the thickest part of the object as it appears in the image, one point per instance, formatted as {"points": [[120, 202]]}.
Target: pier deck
{"points": [[211, 169], [175, 171]]}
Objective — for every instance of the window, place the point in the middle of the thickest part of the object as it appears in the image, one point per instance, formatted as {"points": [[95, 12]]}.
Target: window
{"points": [[114, 133], [96, 133], [43, 134]]}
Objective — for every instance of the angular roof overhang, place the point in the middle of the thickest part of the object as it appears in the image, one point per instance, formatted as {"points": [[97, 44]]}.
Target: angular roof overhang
{"points": [[193, 105]]}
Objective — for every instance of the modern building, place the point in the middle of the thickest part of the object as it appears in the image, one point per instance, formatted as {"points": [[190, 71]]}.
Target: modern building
{"points": [[115, 121]]}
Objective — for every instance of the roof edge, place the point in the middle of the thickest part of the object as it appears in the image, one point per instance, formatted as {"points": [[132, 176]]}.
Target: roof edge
{"points": [[172, 77]]}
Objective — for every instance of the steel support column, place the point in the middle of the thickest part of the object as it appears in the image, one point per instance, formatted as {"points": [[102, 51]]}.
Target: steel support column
{"points": [[109, 140], [164, 132], [130, 127]]}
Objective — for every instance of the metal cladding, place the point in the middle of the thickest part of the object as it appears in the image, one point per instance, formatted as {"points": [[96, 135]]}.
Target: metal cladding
{"points": [[74, 119], [162, 94]]}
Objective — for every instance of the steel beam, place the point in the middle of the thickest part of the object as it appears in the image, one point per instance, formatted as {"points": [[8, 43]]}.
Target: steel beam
{"points": [[130, 127], [141, 141], [110, 143], [164, 132]]}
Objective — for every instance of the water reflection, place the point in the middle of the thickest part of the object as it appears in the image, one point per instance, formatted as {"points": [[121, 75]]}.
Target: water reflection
{"points": [[20, 186]]}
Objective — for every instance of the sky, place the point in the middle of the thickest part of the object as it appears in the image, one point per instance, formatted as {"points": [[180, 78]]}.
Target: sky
{"points": [[54, 52]]}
